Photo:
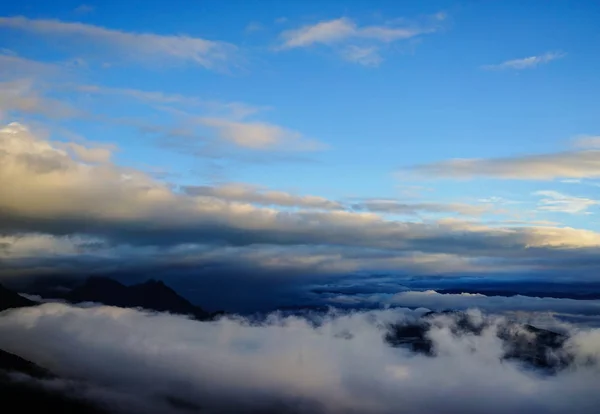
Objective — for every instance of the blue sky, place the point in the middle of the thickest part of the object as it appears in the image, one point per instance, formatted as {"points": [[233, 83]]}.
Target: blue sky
{"points": [[365, 104]]}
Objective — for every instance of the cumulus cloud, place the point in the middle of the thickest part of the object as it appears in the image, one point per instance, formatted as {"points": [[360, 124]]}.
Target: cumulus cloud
{"points": [[359, 43], [569, 164], [328, 364], [128, 45], [526, 63]]}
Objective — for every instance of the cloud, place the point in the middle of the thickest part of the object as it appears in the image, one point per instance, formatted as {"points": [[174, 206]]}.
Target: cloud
{"points": [[141, 47], [48, 189], [330, 364], [435, 301], [22, 96], [261, 135], [555, 201], [254, 27], [569, 164], [329, 31], [94, 155], [366, 56], [337, 30], [235, 110], [588, 141], [12, 65], [526, 63], [395, 207], [84, 9], [251, 194], [356, 43]]}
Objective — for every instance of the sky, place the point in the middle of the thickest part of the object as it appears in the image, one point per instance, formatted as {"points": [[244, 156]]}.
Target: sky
{"points": [[276, 144]]}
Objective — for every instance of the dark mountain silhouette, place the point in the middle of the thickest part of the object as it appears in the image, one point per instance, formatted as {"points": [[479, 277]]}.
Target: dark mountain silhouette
{"points": [[525, 343], [13, 363], [151, 295], [10, 299], [27, 393]]}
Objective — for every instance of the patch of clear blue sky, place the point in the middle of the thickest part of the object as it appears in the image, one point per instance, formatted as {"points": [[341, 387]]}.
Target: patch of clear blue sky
{"points": [[426, 102]]}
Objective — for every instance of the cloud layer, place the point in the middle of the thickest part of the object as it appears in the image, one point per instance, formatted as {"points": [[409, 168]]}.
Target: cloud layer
{"points": [[125, 216], [334, 364]]}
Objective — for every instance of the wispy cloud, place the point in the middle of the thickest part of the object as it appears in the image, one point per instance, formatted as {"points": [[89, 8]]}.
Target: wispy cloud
{"points": [[527, 62], [22, 96], [252, 194], [84, 9], [555, 201], [568, 164], [346, 33], [253, 27], [366, 56], [236, 110], [396, 207], [587, 141], [144, 47], [261, 135]]}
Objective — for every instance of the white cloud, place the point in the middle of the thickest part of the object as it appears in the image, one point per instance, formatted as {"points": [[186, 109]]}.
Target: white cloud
{"points": [[235, 110], [569, 164], [252, 194], [129, 45], [47, 189], [555, 201], [435, 301], [526, 63], [367, 56], [396, 207], [84, 9], [253, 27], [22, 96], [588, 141], [261, 135], [327, 32], [12, 65], [337, 30], [88, 154], [356, 43], [341, 365]]}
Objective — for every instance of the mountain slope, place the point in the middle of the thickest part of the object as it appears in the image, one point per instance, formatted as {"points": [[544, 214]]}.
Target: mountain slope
{"points": [[26, 390], [151, 295], [10, 299]]}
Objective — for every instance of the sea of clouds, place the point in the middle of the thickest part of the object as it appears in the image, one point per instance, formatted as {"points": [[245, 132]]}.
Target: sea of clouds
{"points": [[143, 362]]}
